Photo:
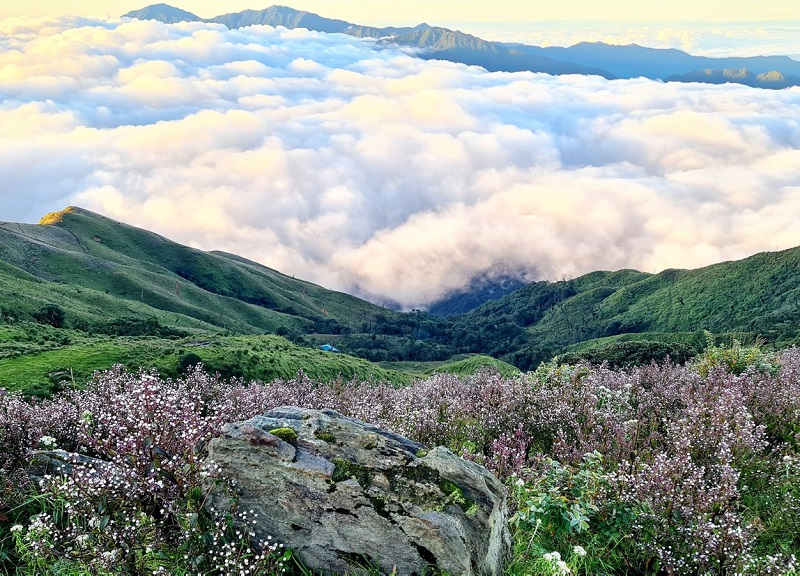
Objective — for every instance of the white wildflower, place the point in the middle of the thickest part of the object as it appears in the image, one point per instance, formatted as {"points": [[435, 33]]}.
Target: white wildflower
{"points": [[47, 442], [17, 528], [579, 551]]}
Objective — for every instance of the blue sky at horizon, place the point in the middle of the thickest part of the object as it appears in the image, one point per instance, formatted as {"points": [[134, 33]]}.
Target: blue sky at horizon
{"points": [[410, 11]]}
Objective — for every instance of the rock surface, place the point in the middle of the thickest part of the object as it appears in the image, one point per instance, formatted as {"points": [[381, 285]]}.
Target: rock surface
{"points": [[345, 494]]}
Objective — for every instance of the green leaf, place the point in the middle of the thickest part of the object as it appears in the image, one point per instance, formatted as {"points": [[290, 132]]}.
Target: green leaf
{"points": [[167, 475]]}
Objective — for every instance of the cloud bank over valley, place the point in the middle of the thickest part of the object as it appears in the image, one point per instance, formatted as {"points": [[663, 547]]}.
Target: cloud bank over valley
{"points": [[368, 170]]}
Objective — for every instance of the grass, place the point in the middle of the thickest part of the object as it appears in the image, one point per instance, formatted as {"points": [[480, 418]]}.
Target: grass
{"points": [[472, 364], [100, 271], [759, 295], [153, 276], [460, 365], [35, 359]]}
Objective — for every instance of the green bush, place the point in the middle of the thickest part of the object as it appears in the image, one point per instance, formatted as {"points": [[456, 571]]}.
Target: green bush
{"points": [[188, 361], [8, 315], [632, 353], [51, 314], [569, 521], [736, 358]]}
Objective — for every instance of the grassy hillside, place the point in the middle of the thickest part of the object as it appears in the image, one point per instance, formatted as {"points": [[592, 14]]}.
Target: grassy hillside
{"points": [[89, 251], [128, 295], [755, 297], [132, 297], [39, 360]]}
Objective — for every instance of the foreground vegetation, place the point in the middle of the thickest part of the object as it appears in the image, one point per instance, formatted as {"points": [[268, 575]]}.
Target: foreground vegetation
{"points": [[654, 470]]}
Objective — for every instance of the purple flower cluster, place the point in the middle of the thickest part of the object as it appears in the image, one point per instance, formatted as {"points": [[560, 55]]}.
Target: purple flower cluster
{"points": [[675, 445]]}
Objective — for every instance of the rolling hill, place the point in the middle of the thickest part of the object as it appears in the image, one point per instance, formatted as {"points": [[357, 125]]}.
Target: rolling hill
{"points": [[81, 292], [758, 296], [149, 272], [133, 297]]}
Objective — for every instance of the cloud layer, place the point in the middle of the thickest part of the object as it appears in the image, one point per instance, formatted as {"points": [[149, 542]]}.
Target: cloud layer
{"points": [[373, 172]]}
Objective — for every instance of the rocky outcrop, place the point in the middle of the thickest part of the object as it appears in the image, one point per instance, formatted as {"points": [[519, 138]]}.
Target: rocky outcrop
{"points": [[342, 493]]}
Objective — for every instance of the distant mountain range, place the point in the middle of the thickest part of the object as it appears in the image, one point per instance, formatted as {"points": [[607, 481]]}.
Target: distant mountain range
{"points": [[773, 80], [589, 58]]}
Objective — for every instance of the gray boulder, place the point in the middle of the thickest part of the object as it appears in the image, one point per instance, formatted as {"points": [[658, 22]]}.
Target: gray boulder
{"points": [[343, 494]]}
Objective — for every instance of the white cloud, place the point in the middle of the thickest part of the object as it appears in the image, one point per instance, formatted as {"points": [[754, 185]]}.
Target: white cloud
{"points": [[370, 171]]}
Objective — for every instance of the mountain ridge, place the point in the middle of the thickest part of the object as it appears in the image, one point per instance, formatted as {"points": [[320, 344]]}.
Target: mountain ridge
{"points": [[587, 58], [770, 80]]}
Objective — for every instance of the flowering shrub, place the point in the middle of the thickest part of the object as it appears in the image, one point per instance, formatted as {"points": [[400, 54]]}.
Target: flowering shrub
{"points": [[673, 469], [133, 502]]}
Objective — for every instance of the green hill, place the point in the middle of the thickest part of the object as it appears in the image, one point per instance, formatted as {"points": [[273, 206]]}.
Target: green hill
{"points": [[758, 296], [129, 296], [81, 292], [149, 273]]}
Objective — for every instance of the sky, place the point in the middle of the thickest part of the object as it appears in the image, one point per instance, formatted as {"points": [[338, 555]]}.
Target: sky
{"points": [[415, 11], [367, 170], [708, 28]]}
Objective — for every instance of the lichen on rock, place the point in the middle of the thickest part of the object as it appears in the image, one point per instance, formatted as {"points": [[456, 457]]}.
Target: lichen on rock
{"points": [[368, 495]]}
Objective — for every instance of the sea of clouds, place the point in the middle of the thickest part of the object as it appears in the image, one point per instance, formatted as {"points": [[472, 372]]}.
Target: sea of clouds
{"points": [[377, 173]]}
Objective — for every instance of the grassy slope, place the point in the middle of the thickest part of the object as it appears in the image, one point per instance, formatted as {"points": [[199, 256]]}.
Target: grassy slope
{"points": [[35, 358], [473, 364], [461, 365], [760, 294], [88, 250], [756, 296], [98, 270]]}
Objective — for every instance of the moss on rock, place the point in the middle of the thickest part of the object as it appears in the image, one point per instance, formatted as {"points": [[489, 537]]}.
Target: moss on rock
{"points": [[285, 434], [345, 470]]}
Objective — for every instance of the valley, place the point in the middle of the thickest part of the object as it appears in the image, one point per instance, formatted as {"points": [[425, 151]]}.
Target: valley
{"points": [[122, 295]]}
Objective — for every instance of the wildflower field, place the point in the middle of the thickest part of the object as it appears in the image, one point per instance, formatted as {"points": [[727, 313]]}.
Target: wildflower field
{"points": [[663, 469]]}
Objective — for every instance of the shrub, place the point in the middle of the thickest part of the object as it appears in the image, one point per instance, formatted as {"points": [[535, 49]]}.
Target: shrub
{"points": [[51, 314], [188, 361], [632, 353], [736, 358], [7, 314], [574, 513], [136, 504], [686, 473]]}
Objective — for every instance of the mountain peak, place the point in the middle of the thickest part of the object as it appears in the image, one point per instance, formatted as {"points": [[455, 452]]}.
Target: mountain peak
{"points": [[163, 13], [773, 76]]}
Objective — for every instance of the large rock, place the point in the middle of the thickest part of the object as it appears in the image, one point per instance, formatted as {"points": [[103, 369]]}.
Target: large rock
{"points": [[345, 493]]}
